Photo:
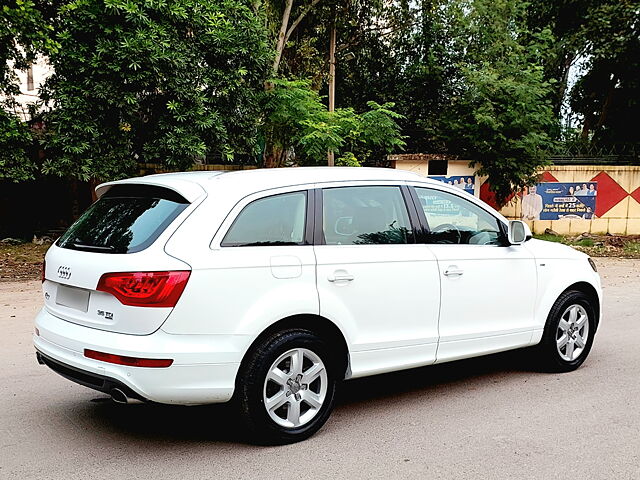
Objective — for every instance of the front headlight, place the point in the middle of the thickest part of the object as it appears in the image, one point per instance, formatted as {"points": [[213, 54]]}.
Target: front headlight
{"points": [[593, 264]]}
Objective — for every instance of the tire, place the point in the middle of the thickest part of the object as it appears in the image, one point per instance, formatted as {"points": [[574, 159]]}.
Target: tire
{"points": [[283, 399], [563, 347]]}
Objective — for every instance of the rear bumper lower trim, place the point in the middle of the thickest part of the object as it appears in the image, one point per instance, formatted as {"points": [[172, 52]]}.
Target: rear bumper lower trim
{"points": [[92, 380]]}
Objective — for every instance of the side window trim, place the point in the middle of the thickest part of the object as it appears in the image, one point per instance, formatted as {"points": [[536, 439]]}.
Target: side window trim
{"points": [[414, 216], [307, 232], [318, 233], [422, 218], [310, 217], [319, 238]]}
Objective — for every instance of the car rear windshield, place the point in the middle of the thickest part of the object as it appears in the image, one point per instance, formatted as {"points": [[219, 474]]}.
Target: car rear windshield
{"points": [[126, 219]]}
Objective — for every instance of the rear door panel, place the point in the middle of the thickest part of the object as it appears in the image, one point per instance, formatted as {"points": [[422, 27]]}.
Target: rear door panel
{"points": [[385, 296]]}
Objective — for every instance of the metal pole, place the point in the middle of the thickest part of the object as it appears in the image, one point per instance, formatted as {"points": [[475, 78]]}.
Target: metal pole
{"points": [[332, 82]]}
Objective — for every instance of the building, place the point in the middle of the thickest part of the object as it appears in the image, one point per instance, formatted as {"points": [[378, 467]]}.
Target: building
{"points": [[30, 82]]}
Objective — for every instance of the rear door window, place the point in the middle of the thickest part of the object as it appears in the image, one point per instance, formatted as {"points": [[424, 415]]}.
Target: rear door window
{"points": [[274, 220], [126, 219], [365, 216]]}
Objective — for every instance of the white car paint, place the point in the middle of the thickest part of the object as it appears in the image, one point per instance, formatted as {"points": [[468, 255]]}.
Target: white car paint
{"points": [[393, 304]]}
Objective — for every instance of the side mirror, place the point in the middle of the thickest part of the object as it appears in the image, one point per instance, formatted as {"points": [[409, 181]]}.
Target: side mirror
{"points": [[519, 232]]}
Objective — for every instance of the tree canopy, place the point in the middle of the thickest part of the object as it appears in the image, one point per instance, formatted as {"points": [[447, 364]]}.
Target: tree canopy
{"points": [[166, 81], [24, 32], [497, 82]]}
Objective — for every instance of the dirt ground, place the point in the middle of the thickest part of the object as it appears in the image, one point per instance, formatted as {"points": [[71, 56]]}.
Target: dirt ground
{"points": [[483, 418], [21, 262]]}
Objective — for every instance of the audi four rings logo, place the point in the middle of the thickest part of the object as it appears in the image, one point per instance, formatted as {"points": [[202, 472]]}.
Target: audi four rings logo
{"points": [[64, 272]]}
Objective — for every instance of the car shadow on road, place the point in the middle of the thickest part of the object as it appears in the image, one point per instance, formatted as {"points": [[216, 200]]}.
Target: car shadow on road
{"points": [[219, 423], [479, 371]]}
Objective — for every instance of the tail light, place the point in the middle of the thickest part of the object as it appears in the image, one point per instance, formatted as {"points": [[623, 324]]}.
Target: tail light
{"points": [[145, 289], [44, 267]]}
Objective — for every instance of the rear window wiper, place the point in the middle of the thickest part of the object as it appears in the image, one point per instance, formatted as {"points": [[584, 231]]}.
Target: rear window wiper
{"points": [[81, 246]]}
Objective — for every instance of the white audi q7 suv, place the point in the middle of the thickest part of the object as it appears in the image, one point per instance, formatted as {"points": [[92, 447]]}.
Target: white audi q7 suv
{"points": [[269, 287]]}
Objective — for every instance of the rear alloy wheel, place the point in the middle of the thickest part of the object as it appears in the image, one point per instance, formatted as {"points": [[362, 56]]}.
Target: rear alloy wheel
{"points": [[295, 388], [569, 332], [286, 388]]}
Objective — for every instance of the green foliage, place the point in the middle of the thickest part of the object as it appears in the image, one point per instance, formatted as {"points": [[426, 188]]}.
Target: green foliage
{"points": [[603, 36], [290, 106], [608, 94], [172, 81], [166, 81], [298, 121], [632, 248], [468, 77], [15, 143], [379, 128], [348, 159], [320, 136], [402, 55], [502, 117], [549, 237], [24, 31]]}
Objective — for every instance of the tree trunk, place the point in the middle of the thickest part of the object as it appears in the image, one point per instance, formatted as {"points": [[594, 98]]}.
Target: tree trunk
{"points": [[604, 113], [273, 156], [282, 36], [286, 31], [562, 87]]}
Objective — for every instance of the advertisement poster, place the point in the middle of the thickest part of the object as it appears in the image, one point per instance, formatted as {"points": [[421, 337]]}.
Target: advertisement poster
{"points": [[558, 200], [466, 183], [441, 206]]}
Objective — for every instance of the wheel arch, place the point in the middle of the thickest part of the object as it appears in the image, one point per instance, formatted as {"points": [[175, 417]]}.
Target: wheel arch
{"points": [[317, 324]]}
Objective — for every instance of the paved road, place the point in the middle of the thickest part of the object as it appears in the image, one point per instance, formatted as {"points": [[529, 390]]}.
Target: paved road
{"points": [[482, 419]]}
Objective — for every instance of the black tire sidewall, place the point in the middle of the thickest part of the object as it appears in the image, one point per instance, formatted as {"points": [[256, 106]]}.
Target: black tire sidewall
{"points": [[551, 357], [262, 428]]}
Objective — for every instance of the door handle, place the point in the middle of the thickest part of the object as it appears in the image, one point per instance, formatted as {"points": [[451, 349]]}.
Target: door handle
{"points": [[340, 277], [453, 271]]}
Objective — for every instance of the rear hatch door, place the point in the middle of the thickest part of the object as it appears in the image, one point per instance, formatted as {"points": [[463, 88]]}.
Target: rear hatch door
{"points": [[124, 231]]}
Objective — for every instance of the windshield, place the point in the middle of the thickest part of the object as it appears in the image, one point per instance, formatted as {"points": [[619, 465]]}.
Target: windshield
{"points": [[126, 219]]}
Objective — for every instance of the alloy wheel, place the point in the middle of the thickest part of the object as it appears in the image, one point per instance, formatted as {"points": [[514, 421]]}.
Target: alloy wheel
{"points": [[572, 333], [295, 387]]}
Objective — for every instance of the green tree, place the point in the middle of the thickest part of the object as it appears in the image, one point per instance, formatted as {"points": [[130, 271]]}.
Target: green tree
{"points": [[24, 32], [404, 57], [468, 77], [603, 37], [501, 115], [607, 96], [16, 161], [300, 129], [167, 81]]}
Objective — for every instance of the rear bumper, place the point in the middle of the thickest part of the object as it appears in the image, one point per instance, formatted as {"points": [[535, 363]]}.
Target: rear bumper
{"points": [[204, 367]]}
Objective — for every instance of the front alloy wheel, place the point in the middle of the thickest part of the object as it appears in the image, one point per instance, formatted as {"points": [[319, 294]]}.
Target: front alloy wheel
{"points": [[568, 334], [573, 332]]}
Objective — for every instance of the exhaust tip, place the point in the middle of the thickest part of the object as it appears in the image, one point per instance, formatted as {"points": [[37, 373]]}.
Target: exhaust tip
{"points": [[119, 396]]}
